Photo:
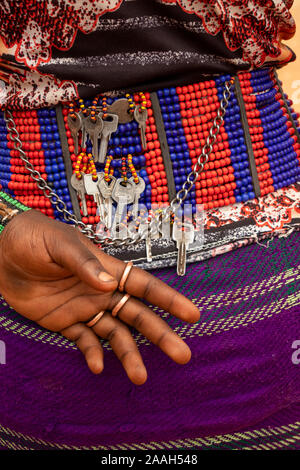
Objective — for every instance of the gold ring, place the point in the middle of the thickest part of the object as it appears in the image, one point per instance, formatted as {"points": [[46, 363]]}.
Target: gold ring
{"points": [[96, 318], [125, 275], [119, 305]]}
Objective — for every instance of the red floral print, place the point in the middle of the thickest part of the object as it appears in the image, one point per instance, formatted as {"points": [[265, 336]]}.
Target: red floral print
{"points": [[255, 26], [32, 28]]}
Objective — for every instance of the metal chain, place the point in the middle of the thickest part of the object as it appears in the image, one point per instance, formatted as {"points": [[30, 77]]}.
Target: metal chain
{"points": [[203, 157], [160, 215]]}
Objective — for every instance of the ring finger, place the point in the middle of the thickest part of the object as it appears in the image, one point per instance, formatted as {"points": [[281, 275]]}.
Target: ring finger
{"points": [[123, 345]]}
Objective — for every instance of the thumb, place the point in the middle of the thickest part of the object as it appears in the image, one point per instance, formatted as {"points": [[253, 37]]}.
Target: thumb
{"points": [[69, 252]]}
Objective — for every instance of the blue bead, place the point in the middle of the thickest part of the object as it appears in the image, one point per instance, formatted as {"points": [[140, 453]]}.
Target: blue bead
{"points": [[118, 152], [131, 149], [143, 173]]}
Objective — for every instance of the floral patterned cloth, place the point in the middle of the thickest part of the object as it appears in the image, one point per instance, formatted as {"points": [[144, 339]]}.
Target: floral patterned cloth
{"points": [[39, 38], [254, 26]]}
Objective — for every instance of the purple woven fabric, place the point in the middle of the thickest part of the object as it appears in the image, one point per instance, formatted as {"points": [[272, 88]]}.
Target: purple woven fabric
{"points": [[241, 375]]}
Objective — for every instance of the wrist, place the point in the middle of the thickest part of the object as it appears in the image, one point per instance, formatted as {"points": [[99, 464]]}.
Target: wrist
{"points": [[9, 208]]}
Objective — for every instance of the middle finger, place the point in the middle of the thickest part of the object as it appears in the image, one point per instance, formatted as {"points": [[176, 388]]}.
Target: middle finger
{"points": [[143, 319]]}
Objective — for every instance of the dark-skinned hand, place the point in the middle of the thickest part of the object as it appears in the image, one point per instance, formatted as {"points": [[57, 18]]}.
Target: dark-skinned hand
{"points": [[53, 275]]}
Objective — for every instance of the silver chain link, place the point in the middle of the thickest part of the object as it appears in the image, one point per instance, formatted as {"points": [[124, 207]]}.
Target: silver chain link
{"points": [[161, 215]]}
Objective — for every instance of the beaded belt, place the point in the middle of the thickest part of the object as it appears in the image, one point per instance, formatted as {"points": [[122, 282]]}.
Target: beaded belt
{"points": [[220, 141]]}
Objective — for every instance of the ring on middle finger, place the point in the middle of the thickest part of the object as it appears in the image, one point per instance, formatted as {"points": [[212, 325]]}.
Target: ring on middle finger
{"points": [[125, 275], [119, 305]]}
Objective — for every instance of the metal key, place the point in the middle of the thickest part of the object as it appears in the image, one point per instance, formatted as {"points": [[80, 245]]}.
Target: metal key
{"points": [[139, 188], [83, 131], [92, 189], [109, 126], [106, 189], [183, 235], [123, 195], [145, 233], [141, 116], [94, 130], [78, 185], [75, 124], [122, 109]]}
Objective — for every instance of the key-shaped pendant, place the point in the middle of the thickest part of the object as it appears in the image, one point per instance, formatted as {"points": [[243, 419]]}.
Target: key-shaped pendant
{"points": [[83, 131], [106, 189], [138, 189], [75, 124], [93, 129], [149, 249], [183, 235], [78, 185], [110, 125], [92, 189], [145, 234], [122, 109], [141, 116], [123, 195]]}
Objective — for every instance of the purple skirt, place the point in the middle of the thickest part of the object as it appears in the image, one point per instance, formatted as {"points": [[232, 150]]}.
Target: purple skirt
{"points": [[241, 389]]}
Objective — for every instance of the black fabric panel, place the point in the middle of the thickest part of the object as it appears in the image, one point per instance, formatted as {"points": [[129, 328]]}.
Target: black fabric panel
{"points": [[175, 48]]}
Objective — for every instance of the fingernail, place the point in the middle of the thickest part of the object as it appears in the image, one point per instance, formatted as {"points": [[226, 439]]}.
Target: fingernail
{"points": [[105, 277]]}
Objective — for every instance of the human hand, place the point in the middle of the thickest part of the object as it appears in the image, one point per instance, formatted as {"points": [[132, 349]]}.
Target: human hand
{"points": [[53, 275]]}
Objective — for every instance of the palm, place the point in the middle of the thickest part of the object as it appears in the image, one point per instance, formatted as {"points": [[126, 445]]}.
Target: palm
{"points": [[53, 275], [42, 300]]}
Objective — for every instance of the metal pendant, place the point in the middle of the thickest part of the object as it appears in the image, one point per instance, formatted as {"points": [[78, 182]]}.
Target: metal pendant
{"points": [[121, 109]]}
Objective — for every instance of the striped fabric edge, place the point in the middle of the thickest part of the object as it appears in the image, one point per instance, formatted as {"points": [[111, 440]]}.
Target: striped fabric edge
{"points": [[186, 331], [270, 438]]}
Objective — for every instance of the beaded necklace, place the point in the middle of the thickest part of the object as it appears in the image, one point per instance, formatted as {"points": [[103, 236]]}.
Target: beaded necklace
{"points": [[187, 114], [227, 176]]}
